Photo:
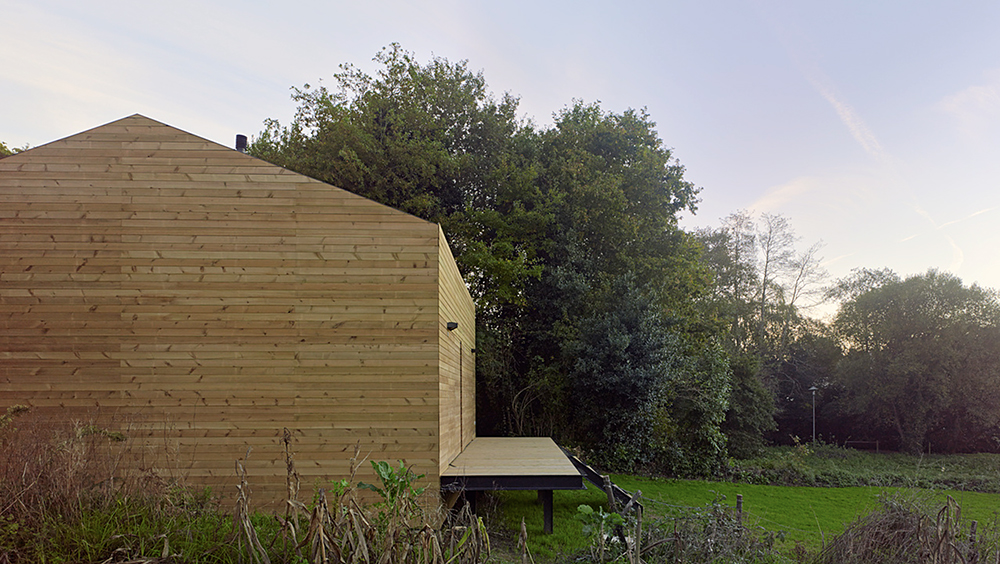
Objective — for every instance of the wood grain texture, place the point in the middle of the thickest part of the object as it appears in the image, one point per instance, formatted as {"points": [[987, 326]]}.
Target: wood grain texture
{"points": [[456, 360], [213, 299], [511, 456]]}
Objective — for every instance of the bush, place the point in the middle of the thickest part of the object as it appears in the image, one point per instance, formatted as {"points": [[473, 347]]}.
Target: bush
{"points": [[906, 530]]}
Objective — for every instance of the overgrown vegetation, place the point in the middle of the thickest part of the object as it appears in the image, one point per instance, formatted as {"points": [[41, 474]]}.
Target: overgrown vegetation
{"points": [[587, 530], [832, 466], [67, 498], [902, 530], [61, 505]]}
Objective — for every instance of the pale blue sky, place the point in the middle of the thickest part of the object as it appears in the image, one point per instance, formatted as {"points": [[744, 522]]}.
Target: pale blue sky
{"points": [[874, 126]]}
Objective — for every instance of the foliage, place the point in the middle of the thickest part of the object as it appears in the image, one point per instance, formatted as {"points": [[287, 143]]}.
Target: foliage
{"points": [[762, 282], [428, 140], [398, 491], [923, 362], [67, 497], [906, 530], [819, 464], [714, 533], [55, 468], [810, 362], [6, 151], [751, 412], [639, 398], [600, 526], [8, 417], [548, 227], [567, 536], [763, 286], [802, 519], [64, 517]]}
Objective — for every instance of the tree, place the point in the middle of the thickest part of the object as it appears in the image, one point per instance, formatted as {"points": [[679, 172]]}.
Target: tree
{"points": [[640, 396], [761, 280], [730, 253], [6, 151], [614, 192], [545, 226], [810, 361], [432, 141], [919, 352], [751, 409], [775, 240]]}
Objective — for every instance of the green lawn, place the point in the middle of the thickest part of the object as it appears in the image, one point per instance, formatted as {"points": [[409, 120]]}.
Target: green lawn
{"points": [[567, 535], [804, 514]]}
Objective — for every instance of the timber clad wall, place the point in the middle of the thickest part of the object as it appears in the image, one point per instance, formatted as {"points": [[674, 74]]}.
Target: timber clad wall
{"points": [[213, 299], [457, 361]]}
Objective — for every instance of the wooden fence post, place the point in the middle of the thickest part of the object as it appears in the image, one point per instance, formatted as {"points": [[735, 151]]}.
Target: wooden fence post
{"points": [[609, 489], [739, 508]]}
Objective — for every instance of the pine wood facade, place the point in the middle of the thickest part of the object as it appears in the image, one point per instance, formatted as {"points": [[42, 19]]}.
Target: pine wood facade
{"points": [[213, 299]]}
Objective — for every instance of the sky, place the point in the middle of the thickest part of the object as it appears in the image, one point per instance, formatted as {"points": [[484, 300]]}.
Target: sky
{"points": [[873, 126]]}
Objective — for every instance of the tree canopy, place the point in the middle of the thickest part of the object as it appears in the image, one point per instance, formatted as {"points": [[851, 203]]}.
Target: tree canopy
{"points": [[551, 228], [602, 323], [922, 359]]}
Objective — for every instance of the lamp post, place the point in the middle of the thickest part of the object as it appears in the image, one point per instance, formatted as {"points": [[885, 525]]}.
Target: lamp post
{"points": [[813, 390]]}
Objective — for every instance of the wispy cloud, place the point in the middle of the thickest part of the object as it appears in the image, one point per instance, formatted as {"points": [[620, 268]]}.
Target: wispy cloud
{"points": [[776, 197], [957, 257], [936, 226], [836, 259], [848, 116], [970, 216], [957, 253], [975, 107]]}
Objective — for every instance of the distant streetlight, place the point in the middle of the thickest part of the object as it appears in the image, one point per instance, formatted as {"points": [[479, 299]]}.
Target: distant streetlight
{"points": [[813, 390]]}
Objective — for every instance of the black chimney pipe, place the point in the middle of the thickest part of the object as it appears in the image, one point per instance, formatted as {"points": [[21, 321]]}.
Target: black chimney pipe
{"points": [[241, 143]]}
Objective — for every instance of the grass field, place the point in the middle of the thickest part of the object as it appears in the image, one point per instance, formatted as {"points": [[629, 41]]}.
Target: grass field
{"points": [[808, 515], [567, 536], [804, 515]]}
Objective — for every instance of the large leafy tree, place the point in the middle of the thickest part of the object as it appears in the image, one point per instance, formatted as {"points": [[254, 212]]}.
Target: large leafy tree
{"points": [[432, 141], [921, 358], [614, 192], [551, 228]]}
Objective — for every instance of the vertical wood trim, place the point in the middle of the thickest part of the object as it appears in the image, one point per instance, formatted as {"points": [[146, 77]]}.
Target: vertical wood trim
{"points": [[457, 364]]}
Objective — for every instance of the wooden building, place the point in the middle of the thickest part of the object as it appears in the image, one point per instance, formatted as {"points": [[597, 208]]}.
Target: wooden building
{"points": [[209, 300]]}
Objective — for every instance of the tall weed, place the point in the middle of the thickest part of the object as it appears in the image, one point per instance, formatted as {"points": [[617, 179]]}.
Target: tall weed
{"points": [[906, 529], [66, 496]]}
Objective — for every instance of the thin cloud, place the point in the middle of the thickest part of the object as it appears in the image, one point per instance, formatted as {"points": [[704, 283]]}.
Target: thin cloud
{"points": [[975, 107], [848, 116], [795, 42], [966, 218], [926, 215], [836, 259], [776, 197], [958, 256]]}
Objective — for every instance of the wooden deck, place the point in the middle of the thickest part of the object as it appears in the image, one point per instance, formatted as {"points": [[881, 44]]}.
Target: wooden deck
{"points": [[511, 463]]}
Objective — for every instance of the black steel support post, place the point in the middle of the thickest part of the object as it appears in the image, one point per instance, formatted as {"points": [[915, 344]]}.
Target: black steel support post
{"points": [[546, 497]]}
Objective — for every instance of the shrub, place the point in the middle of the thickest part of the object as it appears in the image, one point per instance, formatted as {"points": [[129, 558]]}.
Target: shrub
{"points": [[906, 530]]}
